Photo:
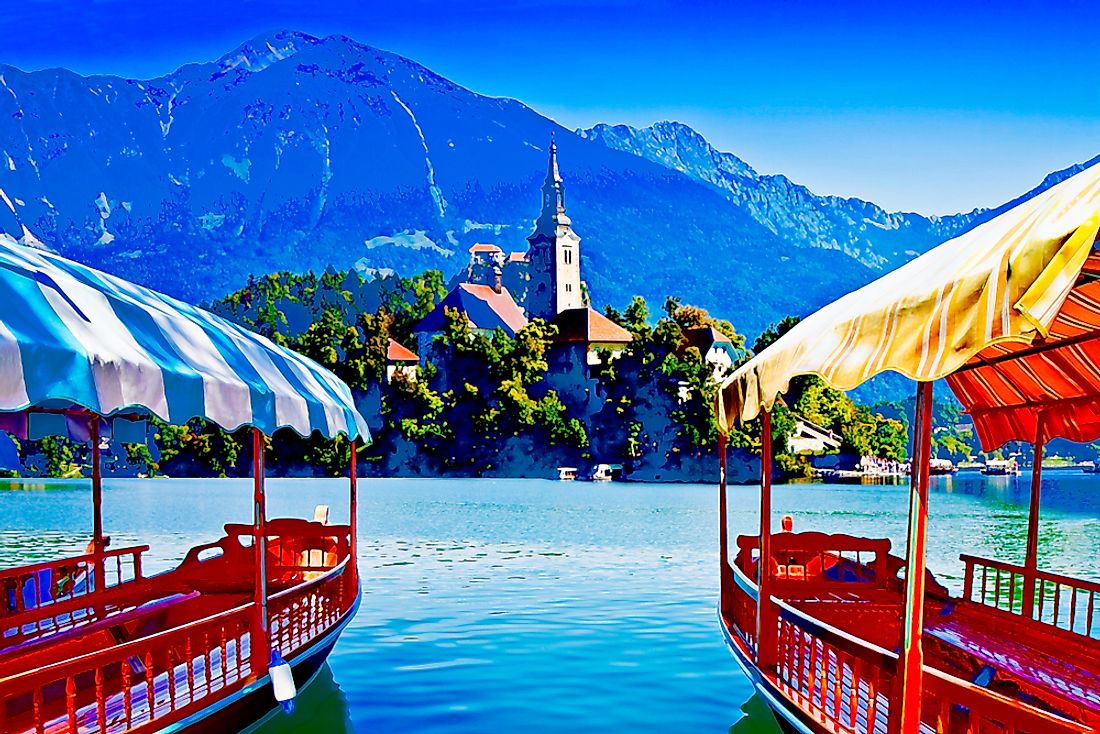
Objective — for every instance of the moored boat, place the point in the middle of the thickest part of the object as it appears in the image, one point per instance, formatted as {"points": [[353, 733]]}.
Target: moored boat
{"points": [[604, 473], [93, 643], [1001, 467], [841, 633], [941, 466], [567, 473]]}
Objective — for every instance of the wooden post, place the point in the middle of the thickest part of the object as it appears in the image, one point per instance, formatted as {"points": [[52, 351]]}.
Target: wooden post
{"points": [[766, 620], [910, 672], [354, 505], [99, 573], [1031, 559], [260, 643], [723, 533]]}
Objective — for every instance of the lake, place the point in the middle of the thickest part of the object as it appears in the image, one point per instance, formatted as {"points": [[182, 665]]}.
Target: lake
{"points": [[505, 605]]}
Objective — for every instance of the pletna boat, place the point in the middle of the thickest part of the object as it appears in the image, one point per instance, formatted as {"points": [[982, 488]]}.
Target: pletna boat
{"points": [[94, 642], [845, 634]]}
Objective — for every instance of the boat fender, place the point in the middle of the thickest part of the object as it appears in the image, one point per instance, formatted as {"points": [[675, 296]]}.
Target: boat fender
{"points": [[282, 681]]}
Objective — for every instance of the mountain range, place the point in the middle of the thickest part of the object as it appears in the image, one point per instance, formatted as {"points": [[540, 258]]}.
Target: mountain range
{"points": [[294, 152]]}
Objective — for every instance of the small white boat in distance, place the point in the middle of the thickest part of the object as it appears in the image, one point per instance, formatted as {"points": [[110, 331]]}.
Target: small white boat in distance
{"points": [[567, 473], [1001, 467], [606, 473]]}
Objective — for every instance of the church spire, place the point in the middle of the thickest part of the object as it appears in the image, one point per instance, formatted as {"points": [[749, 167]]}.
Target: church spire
{"points": [[553, 192]]}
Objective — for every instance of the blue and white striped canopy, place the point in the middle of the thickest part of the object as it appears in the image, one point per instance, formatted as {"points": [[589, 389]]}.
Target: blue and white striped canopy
{"points": [[72, 336]]}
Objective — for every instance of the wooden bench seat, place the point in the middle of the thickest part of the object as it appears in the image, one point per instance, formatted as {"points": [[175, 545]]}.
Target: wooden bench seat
{"points": [[1039, 668], [112, 628]]}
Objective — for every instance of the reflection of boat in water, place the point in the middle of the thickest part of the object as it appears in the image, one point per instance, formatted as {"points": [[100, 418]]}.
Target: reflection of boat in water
{"points": [[567, 473], [839, 633], [92, 643], [1001, 467], [323, 705]]}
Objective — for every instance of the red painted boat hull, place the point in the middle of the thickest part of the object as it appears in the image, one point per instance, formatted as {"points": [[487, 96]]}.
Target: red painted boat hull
{"points": [[246, 710]]}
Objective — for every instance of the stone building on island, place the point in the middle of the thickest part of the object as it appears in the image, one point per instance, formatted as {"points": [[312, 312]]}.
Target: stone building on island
{"points": [[550, 270]]}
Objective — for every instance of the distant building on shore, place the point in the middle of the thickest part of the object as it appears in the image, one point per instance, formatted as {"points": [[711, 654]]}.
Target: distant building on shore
{"points": [[810, 438]]}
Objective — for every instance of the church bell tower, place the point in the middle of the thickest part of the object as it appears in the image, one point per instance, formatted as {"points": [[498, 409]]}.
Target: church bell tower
{"points": [[554, 252]]}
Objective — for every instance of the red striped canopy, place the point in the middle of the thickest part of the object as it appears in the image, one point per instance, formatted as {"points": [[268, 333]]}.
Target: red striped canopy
{"points": [[1008, 313], [1007, 386]]}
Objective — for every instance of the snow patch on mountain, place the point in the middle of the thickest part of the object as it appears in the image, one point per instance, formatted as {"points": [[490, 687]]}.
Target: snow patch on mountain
{"points": [[240, 168], [417, 240], [437, 195]]}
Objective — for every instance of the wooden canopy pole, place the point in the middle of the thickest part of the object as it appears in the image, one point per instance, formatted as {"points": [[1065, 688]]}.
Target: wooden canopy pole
{"points": [[1031, 560], [261, 653], [723, 532], [99, 573], [911, 662], [766, 621], [354, 505]]}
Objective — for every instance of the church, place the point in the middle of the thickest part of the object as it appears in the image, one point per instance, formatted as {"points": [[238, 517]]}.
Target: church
{"points": [[548, 276]]}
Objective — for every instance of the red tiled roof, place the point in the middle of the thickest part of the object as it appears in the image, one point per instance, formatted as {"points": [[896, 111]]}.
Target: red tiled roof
{"points": [[397, 353], [583, 325], [484, 309], [485, 248], [517, 257]]}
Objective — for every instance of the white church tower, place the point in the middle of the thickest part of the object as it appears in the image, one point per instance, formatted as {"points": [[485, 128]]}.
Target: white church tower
{"points": [[554, 253]]}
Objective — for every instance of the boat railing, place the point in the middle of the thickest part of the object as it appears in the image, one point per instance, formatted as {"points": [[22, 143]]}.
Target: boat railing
{"points": [[52, 596], [151, 682], [810, 563], [38, 584], [846, 683], [1062, 602], [298, 615], [743, 609]]}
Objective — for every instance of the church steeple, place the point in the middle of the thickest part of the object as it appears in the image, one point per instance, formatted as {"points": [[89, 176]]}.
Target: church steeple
{"points": [[554, 251], [553, 195]]}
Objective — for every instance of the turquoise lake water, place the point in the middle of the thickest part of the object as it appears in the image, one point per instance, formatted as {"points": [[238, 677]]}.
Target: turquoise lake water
{"points": [[540, 606]]}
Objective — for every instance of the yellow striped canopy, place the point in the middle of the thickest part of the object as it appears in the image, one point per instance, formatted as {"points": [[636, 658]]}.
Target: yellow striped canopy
{"points": [[1009, 313]]}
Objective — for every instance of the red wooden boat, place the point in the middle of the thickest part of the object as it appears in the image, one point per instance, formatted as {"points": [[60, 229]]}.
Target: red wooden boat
{"points": [[842, 633], [93, 643]]}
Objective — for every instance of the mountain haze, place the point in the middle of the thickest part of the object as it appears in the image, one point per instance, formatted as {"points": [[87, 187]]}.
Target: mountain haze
{"points": [[294, 153]]}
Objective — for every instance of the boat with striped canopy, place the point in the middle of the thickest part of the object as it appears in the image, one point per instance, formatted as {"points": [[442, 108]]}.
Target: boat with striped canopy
{"points": [[839, 633], [92, 643]]}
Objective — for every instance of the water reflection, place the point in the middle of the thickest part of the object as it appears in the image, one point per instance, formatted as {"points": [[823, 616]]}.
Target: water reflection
{"points": [[758, 718], [1062, 490], [321, 707]]}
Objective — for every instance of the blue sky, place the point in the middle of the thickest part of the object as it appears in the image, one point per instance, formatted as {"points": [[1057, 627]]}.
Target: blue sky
{"points": [[933, 107]]}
